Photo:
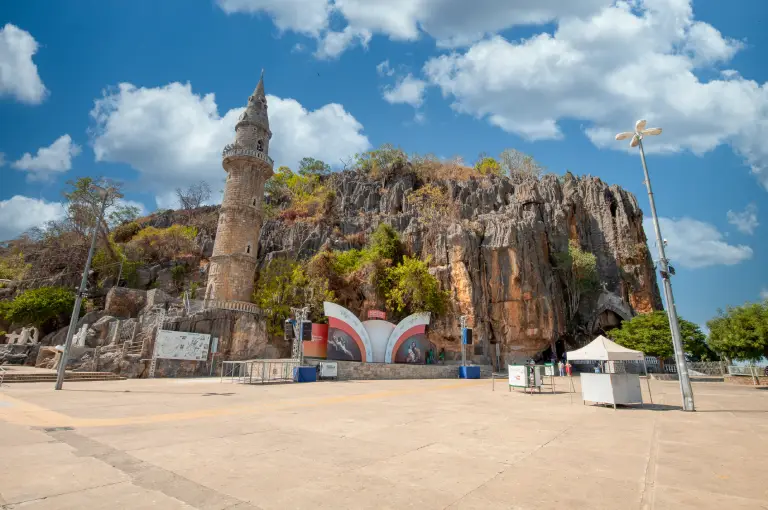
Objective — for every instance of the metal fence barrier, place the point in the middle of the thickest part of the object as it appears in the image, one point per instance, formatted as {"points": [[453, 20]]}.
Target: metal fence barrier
{"points": [[258, 371]]}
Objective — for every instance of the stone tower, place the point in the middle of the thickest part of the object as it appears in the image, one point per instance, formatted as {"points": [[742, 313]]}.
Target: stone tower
{"points": [[248, 166]]}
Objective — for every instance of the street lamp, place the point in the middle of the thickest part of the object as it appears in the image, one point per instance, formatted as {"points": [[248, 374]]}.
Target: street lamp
{"points": [[104, 194], [682, 369]]}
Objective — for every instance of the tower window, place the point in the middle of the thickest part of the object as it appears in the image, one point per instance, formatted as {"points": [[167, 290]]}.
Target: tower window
{"points": [[253, 202], [260, 146], [248, 248]]}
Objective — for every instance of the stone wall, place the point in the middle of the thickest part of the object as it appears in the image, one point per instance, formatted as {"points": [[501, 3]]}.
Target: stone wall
{"points": [[354, 370]]}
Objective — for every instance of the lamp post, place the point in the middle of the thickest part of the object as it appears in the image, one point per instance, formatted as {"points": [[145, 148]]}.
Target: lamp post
{"points": [[682, 369], [104, 194]]}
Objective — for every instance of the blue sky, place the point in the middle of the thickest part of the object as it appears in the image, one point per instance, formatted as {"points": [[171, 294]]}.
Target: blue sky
{"points": [[146, 92]]}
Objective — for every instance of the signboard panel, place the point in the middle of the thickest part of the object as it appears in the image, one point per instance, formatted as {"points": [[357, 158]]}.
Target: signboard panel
{"points": [[182, 345], [518, 376], [377, 314]]}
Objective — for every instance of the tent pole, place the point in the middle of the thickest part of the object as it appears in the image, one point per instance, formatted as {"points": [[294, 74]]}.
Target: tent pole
{"points": [[647, 379]]}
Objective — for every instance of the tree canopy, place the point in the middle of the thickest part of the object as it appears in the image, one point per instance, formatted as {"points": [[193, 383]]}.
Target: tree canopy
{"points": [[38, 306], [741, 332], [650, 334]]}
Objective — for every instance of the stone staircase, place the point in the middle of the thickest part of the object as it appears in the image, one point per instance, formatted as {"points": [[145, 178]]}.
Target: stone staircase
{"points": [[29, 377]]}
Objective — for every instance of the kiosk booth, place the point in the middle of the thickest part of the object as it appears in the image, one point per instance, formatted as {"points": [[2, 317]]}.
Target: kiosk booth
{"points": [[612, 387]]}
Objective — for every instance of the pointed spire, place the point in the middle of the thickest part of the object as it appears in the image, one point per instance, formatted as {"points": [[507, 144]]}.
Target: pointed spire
{"points": [[260, 87]]}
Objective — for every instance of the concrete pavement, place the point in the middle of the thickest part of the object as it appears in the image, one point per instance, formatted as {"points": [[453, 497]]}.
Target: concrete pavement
{"points": [[375, 444]]}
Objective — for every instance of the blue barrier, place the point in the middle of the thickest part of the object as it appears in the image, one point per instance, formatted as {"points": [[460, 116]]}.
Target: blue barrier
{"points": [[305, 374], [470, 372]]}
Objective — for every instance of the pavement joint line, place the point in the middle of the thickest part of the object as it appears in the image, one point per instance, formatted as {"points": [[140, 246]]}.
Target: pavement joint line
{"points": [[648, 491], [50, 418], [137, 469], [508, 465], [11, 505]]}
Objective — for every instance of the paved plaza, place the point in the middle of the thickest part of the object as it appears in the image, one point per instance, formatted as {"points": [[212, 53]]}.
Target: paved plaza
{"points": [[422, 444]]}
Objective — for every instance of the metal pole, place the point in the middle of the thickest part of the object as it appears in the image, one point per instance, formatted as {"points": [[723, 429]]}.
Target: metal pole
{"points": [[682, 369], [79, 299], [647, 378]]}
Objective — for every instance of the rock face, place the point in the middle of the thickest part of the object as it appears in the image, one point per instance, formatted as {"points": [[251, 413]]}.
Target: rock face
{"points": [[496, 252], [125, 303]]}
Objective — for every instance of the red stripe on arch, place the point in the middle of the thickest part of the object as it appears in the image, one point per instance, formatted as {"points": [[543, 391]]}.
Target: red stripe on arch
{"points": [[346, 328], [405, 336]]}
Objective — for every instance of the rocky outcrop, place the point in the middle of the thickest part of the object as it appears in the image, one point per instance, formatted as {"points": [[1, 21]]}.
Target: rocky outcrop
{"points": [[496, 252], [125, 303]]}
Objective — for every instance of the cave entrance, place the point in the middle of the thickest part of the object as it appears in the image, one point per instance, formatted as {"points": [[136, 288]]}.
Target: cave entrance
{"points": [[606, 321]]}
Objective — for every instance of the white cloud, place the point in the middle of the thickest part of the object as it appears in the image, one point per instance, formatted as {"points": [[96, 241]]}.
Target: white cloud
{"points": [[383, 69], [18, 214], [746, 221], [304, 16], [764, 293], [451, 22], [454, 22], [630, 60], [18, 74], [56, 158], [694, 244], [407, 90], [2, 159], [332, 44], [173, 136]]}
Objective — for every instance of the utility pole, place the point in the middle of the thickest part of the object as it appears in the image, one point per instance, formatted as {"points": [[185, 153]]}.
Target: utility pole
{"points": [[104, 193], [686, 389]]}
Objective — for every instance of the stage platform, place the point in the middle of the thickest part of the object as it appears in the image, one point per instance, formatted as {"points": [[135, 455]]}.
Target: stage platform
{"points": [[355, 370]]}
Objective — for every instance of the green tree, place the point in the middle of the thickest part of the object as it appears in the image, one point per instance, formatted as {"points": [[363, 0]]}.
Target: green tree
{"points": [[375, 161], [741, 333], [411, 288], [284, 284], [578, 270], [650, 334], [312, 166], [385, 242], [487, 165], [83, 203], [40, 306]]}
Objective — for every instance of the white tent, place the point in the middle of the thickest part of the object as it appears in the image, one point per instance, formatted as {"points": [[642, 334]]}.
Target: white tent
{"points": [[603, 349], [611, 388]]}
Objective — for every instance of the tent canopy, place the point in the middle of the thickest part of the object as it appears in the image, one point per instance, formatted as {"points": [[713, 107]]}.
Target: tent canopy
{"points": [[603, 349]]}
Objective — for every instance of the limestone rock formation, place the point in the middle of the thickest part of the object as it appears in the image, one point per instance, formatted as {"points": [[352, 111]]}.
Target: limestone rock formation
{"points": [[496, 254]]}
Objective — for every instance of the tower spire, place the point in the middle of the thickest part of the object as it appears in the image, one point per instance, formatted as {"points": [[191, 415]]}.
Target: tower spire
{"points": [[260, 87]]}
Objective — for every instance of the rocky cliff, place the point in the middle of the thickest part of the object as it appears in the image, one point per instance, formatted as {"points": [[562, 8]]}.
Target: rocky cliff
{"points": [[493, 244]]}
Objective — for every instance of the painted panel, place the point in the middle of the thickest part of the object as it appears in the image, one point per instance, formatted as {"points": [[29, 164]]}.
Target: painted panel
{"points": [[410, 322], [182, 345]]}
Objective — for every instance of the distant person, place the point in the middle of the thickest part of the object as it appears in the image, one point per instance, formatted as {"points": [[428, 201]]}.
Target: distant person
{"points": [[442, 355], [561, 368], [597, 368], [568, 368]]}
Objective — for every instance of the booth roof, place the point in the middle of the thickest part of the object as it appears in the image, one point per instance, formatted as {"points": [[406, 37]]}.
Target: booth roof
{"points": [[603, 349]]}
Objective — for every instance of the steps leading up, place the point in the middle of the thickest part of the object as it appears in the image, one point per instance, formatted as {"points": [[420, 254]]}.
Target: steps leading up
{"points": [[11, 377]]}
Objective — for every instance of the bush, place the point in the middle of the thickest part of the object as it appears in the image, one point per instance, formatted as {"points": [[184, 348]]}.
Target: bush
{"points": [[376, 161], [433, 202], [13, 267], [411, 288], [125, 232], [38, 306], [487, 166], [155, 244], [430, 168]]}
